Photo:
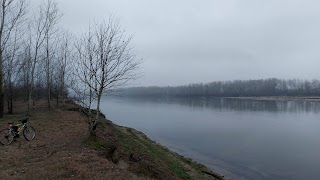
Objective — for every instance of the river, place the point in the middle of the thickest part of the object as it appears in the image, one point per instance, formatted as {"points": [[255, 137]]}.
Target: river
{"points": [[241, 139]]}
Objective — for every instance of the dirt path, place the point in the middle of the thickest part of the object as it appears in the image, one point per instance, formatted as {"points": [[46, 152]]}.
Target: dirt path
{"points": [[57, 152]]}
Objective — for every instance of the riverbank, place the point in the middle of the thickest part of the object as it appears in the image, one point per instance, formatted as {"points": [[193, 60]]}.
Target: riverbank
{"points": [[62, 150], [279, 98]]}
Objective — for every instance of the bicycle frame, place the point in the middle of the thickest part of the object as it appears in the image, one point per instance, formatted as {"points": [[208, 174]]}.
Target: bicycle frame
{"points": [[20, 129]]}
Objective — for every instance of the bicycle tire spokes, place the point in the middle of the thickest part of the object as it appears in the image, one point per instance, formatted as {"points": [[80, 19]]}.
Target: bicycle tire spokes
{"points": [[29, 133], [6, 137]]}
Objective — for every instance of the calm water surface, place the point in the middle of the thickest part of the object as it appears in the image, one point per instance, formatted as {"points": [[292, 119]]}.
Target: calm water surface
{"points": [[242, 139]]}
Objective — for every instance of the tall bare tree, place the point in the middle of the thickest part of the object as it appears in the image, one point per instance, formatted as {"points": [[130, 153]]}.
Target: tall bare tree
{"points": [[39, 34], [107, 61], [11, 12], [11, 66], [63, 63], [84, 66], [52, 15]]}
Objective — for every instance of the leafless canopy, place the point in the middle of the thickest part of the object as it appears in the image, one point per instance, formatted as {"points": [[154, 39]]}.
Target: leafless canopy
{"points": [[106, 61]]}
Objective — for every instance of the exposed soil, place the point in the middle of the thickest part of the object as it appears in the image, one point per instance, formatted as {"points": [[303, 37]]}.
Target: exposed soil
{"points": [[57, 152]]}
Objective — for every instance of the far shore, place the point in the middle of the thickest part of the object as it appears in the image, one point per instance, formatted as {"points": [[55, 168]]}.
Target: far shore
{"points": [[279, 98]]}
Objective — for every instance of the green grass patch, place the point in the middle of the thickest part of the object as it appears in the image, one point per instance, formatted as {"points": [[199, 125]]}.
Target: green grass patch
{"points": [[146, 157], [137, 142], [175, 166], [95, 143]]}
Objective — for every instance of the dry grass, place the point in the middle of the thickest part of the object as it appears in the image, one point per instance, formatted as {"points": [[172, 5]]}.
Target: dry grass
{"points": [[57, 152]]}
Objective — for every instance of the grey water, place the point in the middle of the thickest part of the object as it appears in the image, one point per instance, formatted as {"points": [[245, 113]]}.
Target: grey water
{"points": [[241, 139]]}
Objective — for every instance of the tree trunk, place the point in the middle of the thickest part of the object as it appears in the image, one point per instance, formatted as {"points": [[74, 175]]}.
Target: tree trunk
{"points": [[1, 86], [1, 59], [10, 97], [63, 89], [48, 72], [29, 101], [49, 96], [11, 106], [95, 120], [8, 105], [57, 98], [10, 110]]}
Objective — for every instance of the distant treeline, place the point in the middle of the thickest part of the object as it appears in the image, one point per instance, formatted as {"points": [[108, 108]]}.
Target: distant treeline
{"points": [[237, 88]]}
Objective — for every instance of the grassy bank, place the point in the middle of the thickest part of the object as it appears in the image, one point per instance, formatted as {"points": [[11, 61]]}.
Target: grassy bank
{"points": [[64, 150]]}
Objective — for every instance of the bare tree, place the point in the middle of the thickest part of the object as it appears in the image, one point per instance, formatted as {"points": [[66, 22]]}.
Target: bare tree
{"points": [[39, 33], [83, 92], [11, 12], [63, 68], [52, 15], [11, 66], [107, 61]]}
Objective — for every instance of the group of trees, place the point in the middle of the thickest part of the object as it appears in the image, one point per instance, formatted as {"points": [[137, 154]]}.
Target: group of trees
{"points": [[33, 53], [237, 88], [40, 59]]}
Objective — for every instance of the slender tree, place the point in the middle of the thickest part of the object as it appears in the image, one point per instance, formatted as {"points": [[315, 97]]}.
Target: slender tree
{"points": [[39, 34], [11, 12], [107, 61], [63, 66], [52, 16], [11, 66]]}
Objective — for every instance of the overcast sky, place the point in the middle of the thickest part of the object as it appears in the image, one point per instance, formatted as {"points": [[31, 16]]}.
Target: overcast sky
{"points": [[187, 41]]}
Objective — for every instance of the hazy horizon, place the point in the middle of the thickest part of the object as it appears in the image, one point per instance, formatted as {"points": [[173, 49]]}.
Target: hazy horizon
{"points": [[186, 84], [184, 42]]}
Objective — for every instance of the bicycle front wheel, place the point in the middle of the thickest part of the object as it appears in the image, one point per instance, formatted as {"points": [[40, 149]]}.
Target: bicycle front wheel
{"points": [[6, 137], [29, 133]]}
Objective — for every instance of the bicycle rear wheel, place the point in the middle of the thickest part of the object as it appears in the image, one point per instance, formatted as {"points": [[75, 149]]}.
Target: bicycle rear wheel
{"points": [[6, 137], [29, 133]]}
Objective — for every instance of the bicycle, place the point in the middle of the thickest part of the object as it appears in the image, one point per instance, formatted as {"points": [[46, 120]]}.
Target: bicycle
{"points": [[7, 135]]}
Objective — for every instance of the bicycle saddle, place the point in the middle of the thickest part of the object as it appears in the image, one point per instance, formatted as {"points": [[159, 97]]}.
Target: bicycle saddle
{"points": [[24, 120]]}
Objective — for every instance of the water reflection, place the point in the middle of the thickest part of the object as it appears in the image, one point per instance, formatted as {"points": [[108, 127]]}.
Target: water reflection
{"points": [[230, 104], [244, 139]]}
